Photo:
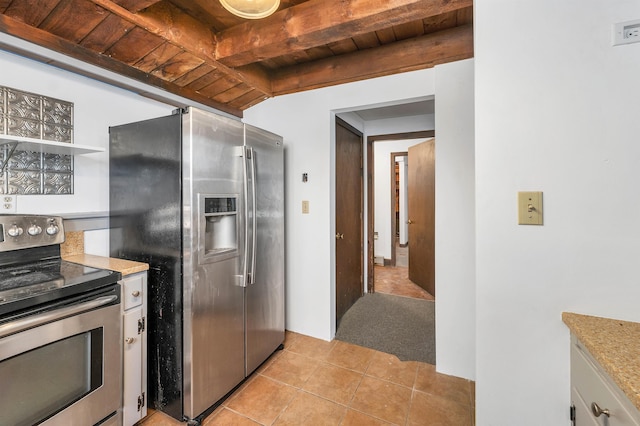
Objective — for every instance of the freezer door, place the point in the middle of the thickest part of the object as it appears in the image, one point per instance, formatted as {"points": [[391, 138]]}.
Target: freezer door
{"points": [[265, 262], [213, 259], [145, 176]]}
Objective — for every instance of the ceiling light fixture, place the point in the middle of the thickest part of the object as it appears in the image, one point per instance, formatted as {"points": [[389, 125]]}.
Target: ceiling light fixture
{"points": [[251, 9]]}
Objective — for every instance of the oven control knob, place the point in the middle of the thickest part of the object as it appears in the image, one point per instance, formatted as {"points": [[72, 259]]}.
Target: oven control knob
{"points": [[34, 230], [52, 229], [14, 231]]}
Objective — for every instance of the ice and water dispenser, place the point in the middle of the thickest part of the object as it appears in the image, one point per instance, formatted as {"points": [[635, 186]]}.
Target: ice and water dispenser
{"points": [[219, 235]]}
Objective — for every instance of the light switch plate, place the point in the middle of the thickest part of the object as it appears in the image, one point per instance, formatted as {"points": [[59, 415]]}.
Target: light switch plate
{"points": [[529, 208], [305, 207]]}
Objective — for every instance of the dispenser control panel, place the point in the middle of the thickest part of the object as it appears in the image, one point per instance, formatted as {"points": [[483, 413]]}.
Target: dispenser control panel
{"points": [[219, 205], [219, 221]]}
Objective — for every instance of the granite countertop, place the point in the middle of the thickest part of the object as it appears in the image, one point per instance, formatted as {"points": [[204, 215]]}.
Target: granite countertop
{"points": [[615, 344], [125, 267]]}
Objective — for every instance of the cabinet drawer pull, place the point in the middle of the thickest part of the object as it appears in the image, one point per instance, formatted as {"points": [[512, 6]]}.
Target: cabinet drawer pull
{"points": [[597, 411], [130, 340], [135, 293]]}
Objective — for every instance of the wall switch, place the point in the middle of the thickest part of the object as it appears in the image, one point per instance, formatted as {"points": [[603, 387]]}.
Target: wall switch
{"points": [[305, 207], [626, 32], [8, 204], [529, 208]]}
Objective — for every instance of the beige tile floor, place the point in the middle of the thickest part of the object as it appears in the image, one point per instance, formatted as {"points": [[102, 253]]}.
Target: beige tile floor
{"points": [[314, 382], [395, 280]]}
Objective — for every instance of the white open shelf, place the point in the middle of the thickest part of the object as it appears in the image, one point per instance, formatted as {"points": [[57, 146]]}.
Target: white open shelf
{"points": [[50, 147]]}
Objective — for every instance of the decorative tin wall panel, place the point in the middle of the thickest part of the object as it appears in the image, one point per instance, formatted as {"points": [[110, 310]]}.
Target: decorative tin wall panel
{"points": [[57, 112], [25, 160], [23, 104], [58, 183], [28, 128], [24, 182], [57, 133], [38, 117], [58, 120], [57, 163]]}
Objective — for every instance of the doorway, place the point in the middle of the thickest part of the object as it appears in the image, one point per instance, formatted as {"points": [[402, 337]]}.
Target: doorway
{"points": [[371, 321], [390, 271]]}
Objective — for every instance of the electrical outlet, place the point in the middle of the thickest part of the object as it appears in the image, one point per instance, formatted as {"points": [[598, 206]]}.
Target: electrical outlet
{"points": [[631, 32], [626, 32], [8, 204]]}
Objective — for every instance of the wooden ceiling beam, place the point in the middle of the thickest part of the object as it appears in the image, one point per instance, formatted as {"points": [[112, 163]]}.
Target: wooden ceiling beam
{"points": [[407, 55], [320, 22], [170, 23], [47, 40], [136, 5]]}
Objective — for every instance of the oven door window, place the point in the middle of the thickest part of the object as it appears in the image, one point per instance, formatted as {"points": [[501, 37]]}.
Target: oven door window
{"points": [[43, 381], [62, 366]]}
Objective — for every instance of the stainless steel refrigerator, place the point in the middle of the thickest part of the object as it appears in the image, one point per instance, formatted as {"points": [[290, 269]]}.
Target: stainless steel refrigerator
{"points": [[199, 197]]}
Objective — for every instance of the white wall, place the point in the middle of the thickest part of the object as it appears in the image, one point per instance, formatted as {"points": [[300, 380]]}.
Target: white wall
{"points": [[382, 196], [556, 111], [306, 121], [455, 220], [96, 107]]}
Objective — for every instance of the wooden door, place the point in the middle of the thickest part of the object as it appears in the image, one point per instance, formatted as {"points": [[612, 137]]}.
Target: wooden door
{"points": [[421, 212], [349, 200]]}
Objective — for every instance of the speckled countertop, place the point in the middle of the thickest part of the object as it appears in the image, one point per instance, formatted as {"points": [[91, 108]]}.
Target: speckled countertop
{"points": [[72, 250], [615, 344], [125, 267]]}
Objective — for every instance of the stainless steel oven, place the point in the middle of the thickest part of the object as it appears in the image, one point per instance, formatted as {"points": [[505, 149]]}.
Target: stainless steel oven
{"points": [[60, 332]]}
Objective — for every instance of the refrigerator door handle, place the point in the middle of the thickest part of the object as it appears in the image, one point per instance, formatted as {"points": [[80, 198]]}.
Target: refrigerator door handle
{"points": [[254, 220], [246, 277]]}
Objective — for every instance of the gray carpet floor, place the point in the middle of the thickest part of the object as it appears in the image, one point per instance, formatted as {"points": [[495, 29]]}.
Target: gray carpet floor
{"points": [[397, 325]]}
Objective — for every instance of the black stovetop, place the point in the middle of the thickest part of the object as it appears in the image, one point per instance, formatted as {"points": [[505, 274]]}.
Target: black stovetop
{"points": [[32, 271], [27, 285]]}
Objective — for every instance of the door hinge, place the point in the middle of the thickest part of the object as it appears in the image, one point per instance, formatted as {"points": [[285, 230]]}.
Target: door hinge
{"points": [[141, 325], [572, 414], [141, 401]]}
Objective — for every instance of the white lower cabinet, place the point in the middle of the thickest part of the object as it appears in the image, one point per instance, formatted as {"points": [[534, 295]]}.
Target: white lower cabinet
{"points": [[598, 401], [134, 303]]}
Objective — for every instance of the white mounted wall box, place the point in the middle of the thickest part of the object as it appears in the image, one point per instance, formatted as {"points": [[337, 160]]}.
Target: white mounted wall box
{"points": [[626, 32]]}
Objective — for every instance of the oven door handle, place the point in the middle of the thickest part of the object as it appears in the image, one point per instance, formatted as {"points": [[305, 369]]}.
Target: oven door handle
{"points": [[44, 318]]}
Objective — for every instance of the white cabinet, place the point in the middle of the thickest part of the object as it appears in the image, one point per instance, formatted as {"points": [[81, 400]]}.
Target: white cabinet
{"points": [[134, 307], [593, 392]]}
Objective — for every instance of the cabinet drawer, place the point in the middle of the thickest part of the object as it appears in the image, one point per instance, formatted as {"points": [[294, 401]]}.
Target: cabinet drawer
{"points": [[132, 288], [590, 384]]}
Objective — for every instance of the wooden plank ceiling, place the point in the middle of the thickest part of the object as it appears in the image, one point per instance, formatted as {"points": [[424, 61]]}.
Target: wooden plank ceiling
{"points": [[198, 50]]}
